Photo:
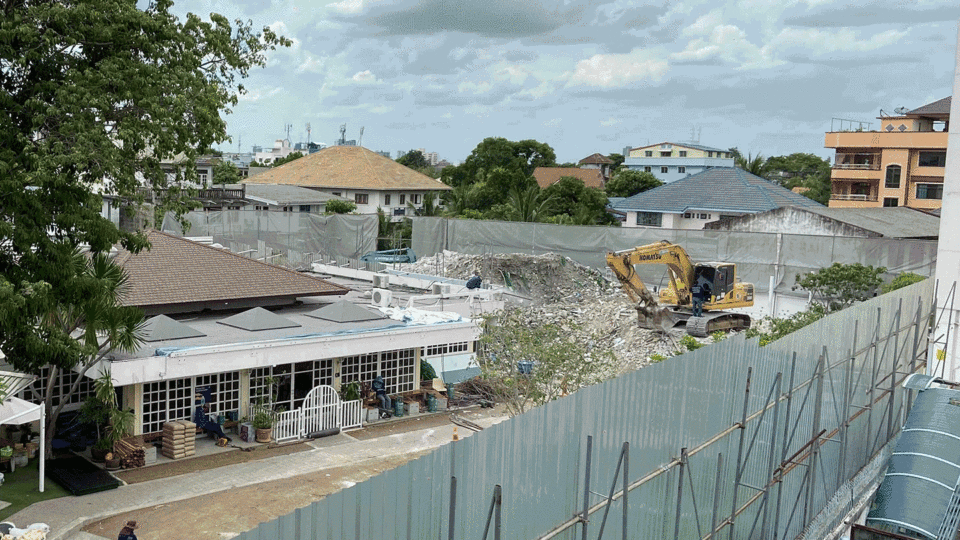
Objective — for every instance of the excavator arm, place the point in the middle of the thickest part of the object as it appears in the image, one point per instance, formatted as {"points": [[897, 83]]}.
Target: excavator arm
{"points": [[674, 257]]}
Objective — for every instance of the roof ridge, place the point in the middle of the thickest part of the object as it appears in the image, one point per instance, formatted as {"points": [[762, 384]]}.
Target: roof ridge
{"points": [[761, 188]]}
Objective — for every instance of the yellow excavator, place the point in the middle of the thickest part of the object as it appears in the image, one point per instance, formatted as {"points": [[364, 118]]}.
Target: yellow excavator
{"points": [[716, 283]]}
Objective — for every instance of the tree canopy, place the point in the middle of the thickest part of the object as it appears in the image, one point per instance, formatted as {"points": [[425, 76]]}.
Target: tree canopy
{"points": [[629, 182], [518, 157], [413, 159], [93, 96], [225, 172]]}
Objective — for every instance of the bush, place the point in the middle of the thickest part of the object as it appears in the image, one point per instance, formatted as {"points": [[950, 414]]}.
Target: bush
{"points": [[903, 280], [781, 327], [690, 343], [427, 373], [657, 358], [337, 206], [718, 336], [840, 285]]}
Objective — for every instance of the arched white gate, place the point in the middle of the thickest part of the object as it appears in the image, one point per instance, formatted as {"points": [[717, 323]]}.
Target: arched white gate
{"points": [[322, 409]]}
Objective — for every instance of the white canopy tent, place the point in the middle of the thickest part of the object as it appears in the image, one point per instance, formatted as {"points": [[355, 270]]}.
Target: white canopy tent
{"points": [[14, 410]]}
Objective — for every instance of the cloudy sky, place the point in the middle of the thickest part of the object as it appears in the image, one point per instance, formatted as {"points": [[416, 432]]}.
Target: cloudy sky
{"points": [[588, 76]]}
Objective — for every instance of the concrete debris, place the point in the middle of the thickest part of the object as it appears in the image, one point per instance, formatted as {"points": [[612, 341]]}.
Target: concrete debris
{"points": [[576, 298]]}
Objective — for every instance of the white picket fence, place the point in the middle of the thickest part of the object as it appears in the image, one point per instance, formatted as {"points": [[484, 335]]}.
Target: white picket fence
{"points": [[322, 409]]}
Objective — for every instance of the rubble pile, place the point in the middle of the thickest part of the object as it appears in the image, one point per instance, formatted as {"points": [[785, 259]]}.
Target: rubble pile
{"points": [[576, 298]]}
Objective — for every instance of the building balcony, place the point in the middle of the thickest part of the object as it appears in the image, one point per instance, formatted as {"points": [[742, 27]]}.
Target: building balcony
{"points": [[886, 139], [856, 174], [853, 197], [857, 162]]}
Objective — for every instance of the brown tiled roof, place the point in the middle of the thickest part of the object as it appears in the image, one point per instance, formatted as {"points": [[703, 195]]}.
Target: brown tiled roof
{"points": [[597, 159], [941, 107], [348, 167], [180, 276], [548, 176]]}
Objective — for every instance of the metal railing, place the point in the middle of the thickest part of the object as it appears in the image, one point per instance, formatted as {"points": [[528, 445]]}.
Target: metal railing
{"points": [[852, 197], [857, 162]]}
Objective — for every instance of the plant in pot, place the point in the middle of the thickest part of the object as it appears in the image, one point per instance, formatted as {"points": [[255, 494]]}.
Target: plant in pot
{"points": [[263, 424], [103, 410]]}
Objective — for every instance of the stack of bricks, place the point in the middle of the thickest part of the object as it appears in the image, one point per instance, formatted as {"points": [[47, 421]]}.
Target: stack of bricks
{"points": [[179, 439]]}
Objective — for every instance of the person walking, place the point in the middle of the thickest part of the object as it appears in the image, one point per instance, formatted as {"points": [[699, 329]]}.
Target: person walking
{"points": [[126, 533]]}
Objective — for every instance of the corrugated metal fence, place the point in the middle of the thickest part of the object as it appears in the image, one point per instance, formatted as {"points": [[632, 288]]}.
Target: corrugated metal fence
{"points": [[731, 441]]}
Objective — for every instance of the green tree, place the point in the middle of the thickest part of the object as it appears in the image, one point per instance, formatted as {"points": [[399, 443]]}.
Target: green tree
{"points": [[617, 160], [801, 170], [292, 156], [339, 206], [520, 157], [771, 328], [528, 365], [904, 279], [430, 207], [94, 95], [94, 322], [840, 285], [529, 204], [413, 159], [225, 172], [570, 197], [752, 164], [628, 182]]}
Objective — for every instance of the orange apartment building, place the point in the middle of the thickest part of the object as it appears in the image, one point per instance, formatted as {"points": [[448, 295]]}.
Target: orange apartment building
{"points": [[902, 164]]}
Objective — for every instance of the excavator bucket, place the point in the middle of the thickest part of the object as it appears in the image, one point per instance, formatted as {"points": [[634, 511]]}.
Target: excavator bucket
{"points": [[653, 317]]}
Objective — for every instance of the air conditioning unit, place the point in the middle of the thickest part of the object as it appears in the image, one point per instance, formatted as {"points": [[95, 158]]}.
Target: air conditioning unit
{"points": [[382, 297], [440, 288], [381, 281]]}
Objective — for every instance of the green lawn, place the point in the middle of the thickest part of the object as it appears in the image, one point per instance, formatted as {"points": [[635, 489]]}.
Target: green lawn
{"points": [[20, 488]]}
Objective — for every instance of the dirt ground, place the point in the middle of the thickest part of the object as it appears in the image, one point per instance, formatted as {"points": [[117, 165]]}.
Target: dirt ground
{"points": [[223, 515]]}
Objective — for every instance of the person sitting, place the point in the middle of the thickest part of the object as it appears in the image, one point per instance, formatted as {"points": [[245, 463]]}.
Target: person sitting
{"points": [[380, 388], [202, 420]]}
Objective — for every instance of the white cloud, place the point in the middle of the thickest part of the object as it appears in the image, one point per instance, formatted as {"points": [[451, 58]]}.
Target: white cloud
{"points": [[826, 41], [728, 43], [256, 94], [704, 24], [614, 70], [348, 7], [474, 88], [609, 122], [311, 64], [364, 77]]}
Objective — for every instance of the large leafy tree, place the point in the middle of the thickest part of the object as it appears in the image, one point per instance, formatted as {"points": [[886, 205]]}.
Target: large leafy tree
{"points": [[752, 164], [413, 159], [803, 170], [93, 96], [520, 157], [584, 205], [628, 182]]}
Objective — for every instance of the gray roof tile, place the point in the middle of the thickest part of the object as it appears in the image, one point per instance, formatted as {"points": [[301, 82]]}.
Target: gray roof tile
{"points": [[721, 189]]}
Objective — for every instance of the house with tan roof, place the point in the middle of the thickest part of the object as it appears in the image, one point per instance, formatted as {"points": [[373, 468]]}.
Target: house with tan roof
{"points": [[548, 176], [241, 330], [370, 180]]}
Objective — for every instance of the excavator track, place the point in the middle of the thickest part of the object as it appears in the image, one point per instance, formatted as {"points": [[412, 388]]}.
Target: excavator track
{"points": [[717, 320]]}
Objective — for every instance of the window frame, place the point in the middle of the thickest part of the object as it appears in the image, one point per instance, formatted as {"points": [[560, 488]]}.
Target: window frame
{"points": [[937, 189], [681, 170], [891, 169], [386, 199], [648, 220], [361, 198], [664, 170], [940, 161]]}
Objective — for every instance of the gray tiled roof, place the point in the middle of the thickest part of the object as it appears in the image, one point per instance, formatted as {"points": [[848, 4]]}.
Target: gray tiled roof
{"points": [[720, 189], [939, 107], [899, 222]]}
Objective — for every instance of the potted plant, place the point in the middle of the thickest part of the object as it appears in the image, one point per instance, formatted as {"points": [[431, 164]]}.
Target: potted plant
{"points": [[112, 462], [263, 424], [103, 410]]}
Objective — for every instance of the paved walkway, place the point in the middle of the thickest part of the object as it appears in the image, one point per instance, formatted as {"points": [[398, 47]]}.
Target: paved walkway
{"points": [[67, 515]]}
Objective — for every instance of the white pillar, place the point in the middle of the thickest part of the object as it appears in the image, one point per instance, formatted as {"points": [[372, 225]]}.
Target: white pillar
{"points": [[948, 248], [43, 445]]}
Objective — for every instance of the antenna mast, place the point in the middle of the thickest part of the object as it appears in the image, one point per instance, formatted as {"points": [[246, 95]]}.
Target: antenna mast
{"points": [[360, 139], [343, 134], [308, 135], [287, 128]]}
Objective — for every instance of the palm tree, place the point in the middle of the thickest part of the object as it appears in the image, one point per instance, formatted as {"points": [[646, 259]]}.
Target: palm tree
{"points": [[99, 321], [753, 165], [527, 205], [430, 207], [457, 200]]}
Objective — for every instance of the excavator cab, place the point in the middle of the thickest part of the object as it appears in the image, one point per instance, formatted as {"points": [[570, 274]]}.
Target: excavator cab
{"points": [[719, 277]]}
